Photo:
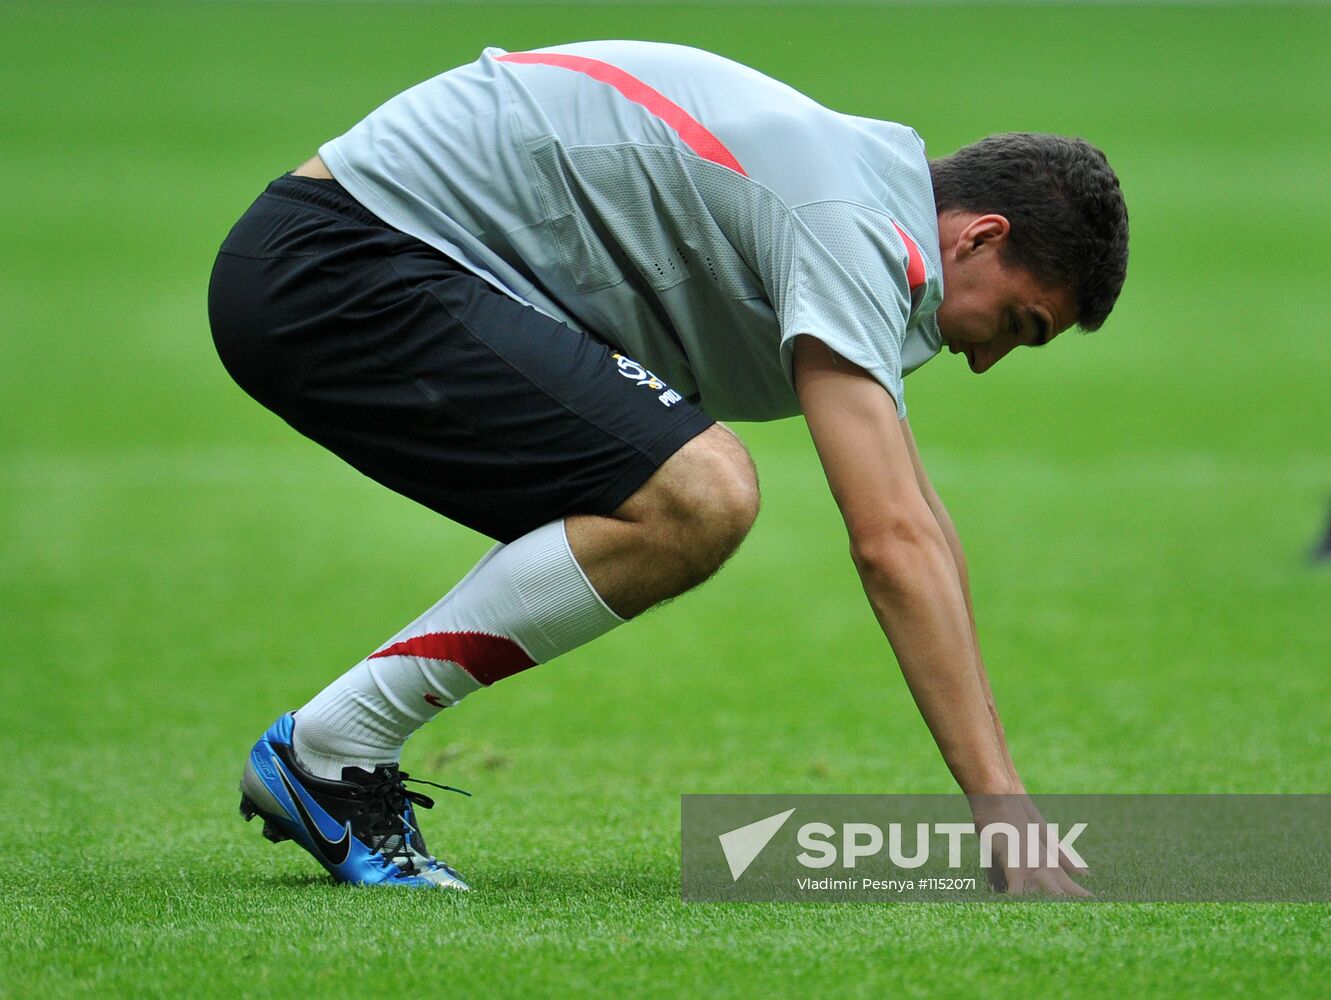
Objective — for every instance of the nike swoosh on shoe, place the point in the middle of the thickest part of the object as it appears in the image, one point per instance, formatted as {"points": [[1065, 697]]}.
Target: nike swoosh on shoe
{"points": [[329, 850]]}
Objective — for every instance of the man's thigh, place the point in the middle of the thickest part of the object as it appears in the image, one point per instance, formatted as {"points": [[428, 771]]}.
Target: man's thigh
{"points": [[424, 377]]}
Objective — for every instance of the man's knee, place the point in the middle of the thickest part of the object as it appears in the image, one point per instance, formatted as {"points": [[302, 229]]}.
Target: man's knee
{"points": [[702, 502], [728, 503]]}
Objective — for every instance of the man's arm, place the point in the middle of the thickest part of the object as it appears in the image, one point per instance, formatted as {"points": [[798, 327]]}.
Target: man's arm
{"points": [[913, 575], [905, 564], [959, 558]]}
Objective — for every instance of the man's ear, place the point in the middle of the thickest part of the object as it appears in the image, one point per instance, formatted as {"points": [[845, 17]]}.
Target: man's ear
{"points": [[984, 230]]}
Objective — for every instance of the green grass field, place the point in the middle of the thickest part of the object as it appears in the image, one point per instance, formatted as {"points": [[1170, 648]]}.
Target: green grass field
{"points": [[177, 566]]}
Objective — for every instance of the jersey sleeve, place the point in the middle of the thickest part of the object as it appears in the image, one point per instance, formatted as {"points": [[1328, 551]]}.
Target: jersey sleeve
{"points": [[848, 288]]}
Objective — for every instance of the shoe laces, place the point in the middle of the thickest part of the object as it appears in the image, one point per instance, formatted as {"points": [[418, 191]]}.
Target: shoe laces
{"points": [[388, 817]]}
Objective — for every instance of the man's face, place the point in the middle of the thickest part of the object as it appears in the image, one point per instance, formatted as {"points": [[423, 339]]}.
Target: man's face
{"points": [[988, 307]]}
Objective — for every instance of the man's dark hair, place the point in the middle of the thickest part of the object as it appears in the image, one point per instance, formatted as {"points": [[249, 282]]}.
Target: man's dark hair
{"points": [[1069, 222]]}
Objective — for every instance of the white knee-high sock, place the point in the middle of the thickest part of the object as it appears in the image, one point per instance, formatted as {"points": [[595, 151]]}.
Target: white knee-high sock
{"points": [[524, 603]]}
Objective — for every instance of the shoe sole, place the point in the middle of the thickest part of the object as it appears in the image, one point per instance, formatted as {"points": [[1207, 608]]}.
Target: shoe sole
{"points": [[248, 810]]}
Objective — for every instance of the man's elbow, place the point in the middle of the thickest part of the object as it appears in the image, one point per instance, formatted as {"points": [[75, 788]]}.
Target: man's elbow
{"points": [[899, 550]]}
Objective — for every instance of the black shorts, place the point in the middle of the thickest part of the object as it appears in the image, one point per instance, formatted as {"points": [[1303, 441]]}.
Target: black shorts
{"points": [[426, 378]]}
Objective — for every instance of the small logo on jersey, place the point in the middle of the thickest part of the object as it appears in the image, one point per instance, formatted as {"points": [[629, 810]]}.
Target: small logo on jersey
{"points": [[433, 699], [669, 398], [632, 370]]}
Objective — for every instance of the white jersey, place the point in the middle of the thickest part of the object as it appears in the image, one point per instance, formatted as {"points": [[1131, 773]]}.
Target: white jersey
{"points": [[687, 210]]}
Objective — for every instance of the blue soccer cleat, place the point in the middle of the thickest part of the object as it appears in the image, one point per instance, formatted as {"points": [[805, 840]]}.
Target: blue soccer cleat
{"points": [[362, 828]]}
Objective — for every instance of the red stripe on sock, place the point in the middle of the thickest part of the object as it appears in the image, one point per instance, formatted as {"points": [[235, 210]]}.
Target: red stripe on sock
{"points": [[693, 132], [488, 658]]}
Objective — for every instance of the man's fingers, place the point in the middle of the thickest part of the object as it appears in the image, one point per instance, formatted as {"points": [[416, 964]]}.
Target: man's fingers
{"points": [[1064, 861], [1057, 879], [1066, 864], [1050, 881], [1069, 887], [1016, 881], [1071, 867], [1031, 882]]}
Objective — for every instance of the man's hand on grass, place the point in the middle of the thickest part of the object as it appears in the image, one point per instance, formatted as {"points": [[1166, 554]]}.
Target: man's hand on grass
{"points": [[1010, 873]]}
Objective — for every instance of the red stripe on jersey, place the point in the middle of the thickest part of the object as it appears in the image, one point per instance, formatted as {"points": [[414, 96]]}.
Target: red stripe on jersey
{"points": [[915, 276], [692, 131], [488, 658]]}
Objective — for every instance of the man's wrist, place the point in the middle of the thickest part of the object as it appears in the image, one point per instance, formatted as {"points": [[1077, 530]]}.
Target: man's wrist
{"points": [[992, 782]]}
